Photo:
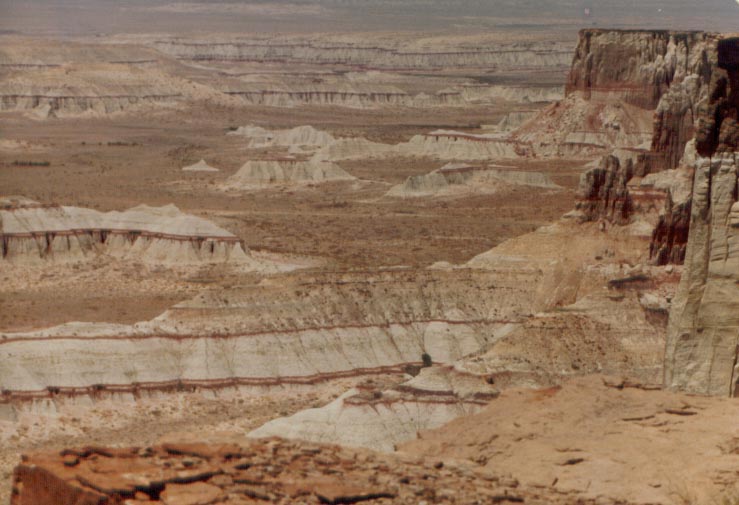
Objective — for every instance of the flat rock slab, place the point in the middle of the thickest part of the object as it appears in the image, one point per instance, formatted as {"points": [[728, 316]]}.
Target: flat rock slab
{"points": [[267, 470]]}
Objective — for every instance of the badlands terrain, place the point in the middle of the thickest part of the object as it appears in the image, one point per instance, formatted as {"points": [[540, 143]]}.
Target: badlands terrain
{"points": [[491, 267]]}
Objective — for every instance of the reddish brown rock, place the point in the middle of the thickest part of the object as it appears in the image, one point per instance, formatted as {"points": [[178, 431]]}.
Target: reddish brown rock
{"points": [[196, 493], [262, 471], [675, 74]]}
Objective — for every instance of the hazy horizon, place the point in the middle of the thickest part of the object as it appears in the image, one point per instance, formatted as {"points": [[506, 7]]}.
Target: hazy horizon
{"points": [[90, 17]]}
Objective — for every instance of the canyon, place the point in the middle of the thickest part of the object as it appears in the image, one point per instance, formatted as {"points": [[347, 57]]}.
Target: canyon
{"points": [[505, 295]]}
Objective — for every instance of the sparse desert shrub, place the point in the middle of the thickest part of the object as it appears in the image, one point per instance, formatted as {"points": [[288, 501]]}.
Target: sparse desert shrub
{"points": [[412, 370], [24, 163], [123, 144], [426, 360]]}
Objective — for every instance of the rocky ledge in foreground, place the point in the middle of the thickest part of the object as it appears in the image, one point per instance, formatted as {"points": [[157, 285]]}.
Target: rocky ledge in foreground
{"points": [[264, 471]]}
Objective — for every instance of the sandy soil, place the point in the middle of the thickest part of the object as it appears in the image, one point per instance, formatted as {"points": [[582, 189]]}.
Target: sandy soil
{"points": [[113, 164], [602, 437], [120, 161]]}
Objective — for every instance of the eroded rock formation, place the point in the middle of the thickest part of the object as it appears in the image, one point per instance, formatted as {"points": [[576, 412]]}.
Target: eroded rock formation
{"points": [[380, 51], [668, 73], [299, 330], [266, 470], [704, 332], [460, 179], [258, 174], [31, 231]]}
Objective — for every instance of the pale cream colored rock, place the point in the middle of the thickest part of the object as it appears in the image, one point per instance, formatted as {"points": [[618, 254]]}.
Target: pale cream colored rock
{"points": [[200, 166], [257, 174], [702, 338]]}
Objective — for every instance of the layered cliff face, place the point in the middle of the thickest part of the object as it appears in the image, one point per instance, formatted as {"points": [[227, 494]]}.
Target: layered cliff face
{"points": [[259, 174], [666, 74], [663, 72], [637, 67], [459, 179], [92, 89], [32, 232], [704, 331], [296, 330], [373, 51]]}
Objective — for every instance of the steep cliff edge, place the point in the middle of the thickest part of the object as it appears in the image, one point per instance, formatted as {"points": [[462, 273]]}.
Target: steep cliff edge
{"points": [[704, 330], [669, 74]]}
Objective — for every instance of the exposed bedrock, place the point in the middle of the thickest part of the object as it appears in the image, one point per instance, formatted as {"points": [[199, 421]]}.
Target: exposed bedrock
{"points": [[577, 326], [258, 174], [91, 89], [674, 75], [258, 471], [30, 232], [703, 337], [635, 66], [459, 179], [379, 418], [344, 93], [50, 103], [374, 52], [298, 329], [316, 96]]}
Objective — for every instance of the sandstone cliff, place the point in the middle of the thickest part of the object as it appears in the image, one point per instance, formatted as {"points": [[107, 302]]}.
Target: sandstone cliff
{"points": [[704, 331], [667, 74]]}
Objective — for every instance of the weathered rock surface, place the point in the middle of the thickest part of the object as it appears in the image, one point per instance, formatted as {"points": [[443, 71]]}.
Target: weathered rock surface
{"points": [[258, 174], [703, 338], [607, 438], [461, 179], [669, 73], [589, 314], [200, 166], [297, 330], [302, 137], [372, 51], [378, 418], [373, 92], [454, 145], [91, 89], [31, 231], [266, 470]]}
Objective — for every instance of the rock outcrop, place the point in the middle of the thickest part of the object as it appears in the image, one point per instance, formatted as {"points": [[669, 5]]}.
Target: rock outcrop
{"points": [[302, 137], [457, 179], [583, 433], [200, 166], [379, 418], [72, 90], [666, 74], [296, 331], [453, 145], [258, 174], [31, 231], [266, 470], [703, 339], [340, 91], [372, 51]]}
